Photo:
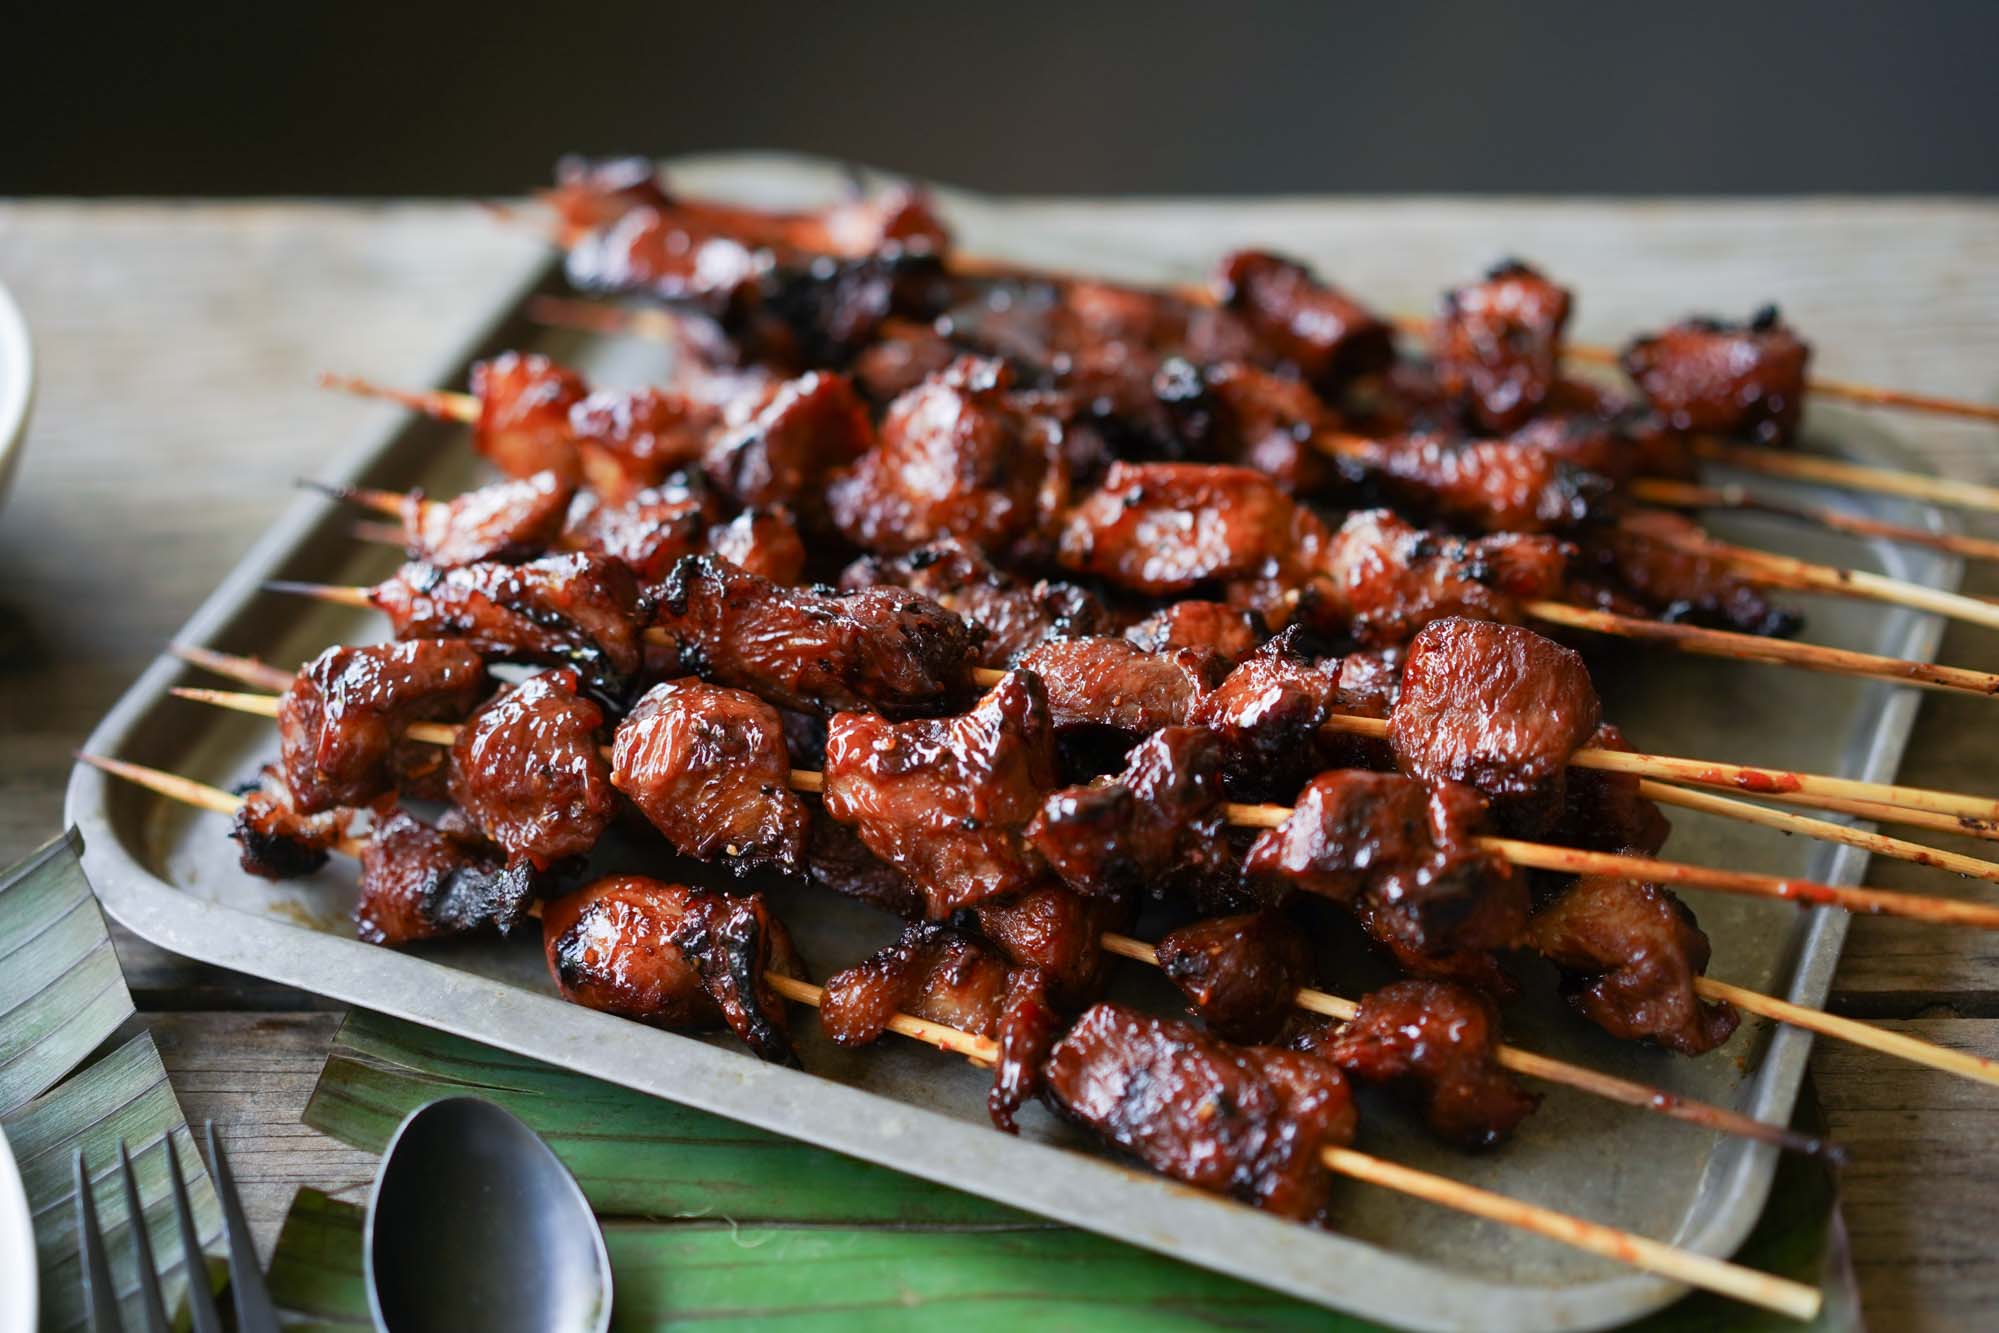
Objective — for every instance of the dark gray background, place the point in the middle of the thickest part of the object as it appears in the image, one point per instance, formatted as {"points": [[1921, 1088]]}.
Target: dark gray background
{"points": [[302, 99]]}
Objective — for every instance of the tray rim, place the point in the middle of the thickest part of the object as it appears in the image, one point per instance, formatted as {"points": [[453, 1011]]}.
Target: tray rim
{"points": [[1203, 1229]]}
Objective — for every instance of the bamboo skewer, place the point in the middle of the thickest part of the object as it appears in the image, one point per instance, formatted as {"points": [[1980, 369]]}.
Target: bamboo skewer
{"points": [[1534, 855], [1690, 495], [1795, 466]]}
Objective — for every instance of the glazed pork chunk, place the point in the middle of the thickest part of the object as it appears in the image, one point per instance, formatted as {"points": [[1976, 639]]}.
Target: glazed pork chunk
{"points": [[1156, 825], [420, 882], [1497, 345], [1724, 378], [508, 521], [648, 531], [528, 770], [709, 767], [1267, 714], [1112, 683], [1239, 973], [945, 800], [340, 724], [673, 957], [1496, 707], [524, 403], [1310, 326], [277, 841], [1248, 1122], [883, 649], [1228, 632], [783, 452], [1165, 529], [1016, 615]]}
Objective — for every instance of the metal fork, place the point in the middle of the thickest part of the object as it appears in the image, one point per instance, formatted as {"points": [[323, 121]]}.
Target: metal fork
{"points": [[254, 1313]]}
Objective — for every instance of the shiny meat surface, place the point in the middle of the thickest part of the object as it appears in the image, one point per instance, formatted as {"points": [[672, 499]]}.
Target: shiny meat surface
{"points": [[1407, 854], [885, 649], [673, 957], [1498, 708], [524, 405], [1247, 1122], [1498, 345], [649, 530], [783, 453], [709, 767], [1058, 932], [528, 771], [340, 724], [1015, 615], [1441, 1042], [1167, 528], [944, 800], [1029, 1027], [1723, 378], [1604, 812], [1239, 973], [931, 971], [1229, 632], [578, 611], [277, 841], [630, 440], [1629, 953], [957, 458], [1237, 413], [1157, 824], [1267, 713], [424, 883], [1321, 332], [1634, 560], [837, 860], [1107, 682], [507, 521], [1488, 485], [765, 542]]}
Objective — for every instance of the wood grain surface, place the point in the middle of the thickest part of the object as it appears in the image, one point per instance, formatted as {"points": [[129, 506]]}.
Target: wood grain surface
{"points": [[177, 346]]}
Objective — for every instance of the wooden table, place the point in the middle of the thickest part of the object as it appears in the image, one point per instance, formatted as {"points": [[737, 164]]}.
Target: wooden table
{"points": [[177, 346]]}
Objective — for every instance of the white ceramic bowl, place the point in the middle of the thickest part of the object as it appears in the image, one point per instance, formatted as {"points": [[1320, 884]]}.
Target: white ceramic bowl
{"points": [[17, 1248], [17, 388]]}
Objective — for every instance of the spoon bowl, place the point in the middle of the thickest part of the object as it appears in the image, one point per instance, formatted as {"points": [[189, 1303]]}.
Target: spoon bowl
{"points": [[474, 1223]]}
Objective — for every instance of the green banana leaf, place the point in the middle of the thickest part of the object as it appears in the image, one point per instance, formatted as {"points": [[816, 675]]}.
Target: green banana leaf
{"points": [[714, 1222]]}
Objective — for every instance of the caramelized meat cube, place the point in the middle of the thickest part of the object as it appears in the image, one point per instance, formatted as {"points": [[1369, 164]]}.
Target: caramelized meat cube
{"points": [[1240, 973], [1029, 1027], [838, 860], [900, 218], [783, 453], [1228, 632], [881, 648], [709, 767], [1604, 812], [674, 254], [1441, 1042], [1479, 969], [629, 440], [944, 800], [1248, 1122], [1267, 714], [1015, 616], [648, 531], [508, 521], [902, 356], [1722, 378], [1490, 485], [524, 405], [1058, 932], [528, 771], [1629, 953], [1409, 856], [1157, 822], [1498, 345], [1236, 413], [579, 611], [673, 957], [591, 192], [1327, 336], [1164, 529], [424, 883], [340, 725], [957, 458], [764, 542], [931, 971], [1496, 707], [1385, 580], [1679, 585], [1106, 682], [277, 841]]}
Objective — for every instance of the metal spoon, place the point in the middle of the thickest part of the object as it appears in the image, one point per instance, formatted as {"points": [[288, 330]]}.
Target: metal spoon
{"points": [[474, 1223]]}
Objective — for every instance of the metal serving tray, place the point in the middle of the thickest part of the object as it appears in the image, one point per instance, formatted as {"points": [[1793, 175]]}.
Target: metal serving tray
{"points": [[169, 874]]}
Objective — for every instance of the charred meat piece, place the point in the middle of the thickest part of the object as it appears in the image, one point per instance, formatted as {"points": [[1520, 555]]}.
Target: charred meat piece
{"points": [[1248, 1122], [904, 353], [1408, 855], [524, 405], [944, 800], [1239, 973], [1267, 714], [1158, 823], [1489, 485], [1107, 682], [1228, 632], [340, 724], [782, 454], [838, 860], [1634, 559], [277, 841], [1385, 579], [508, 521], [765, 542], [578, 611], [1604, 812], [648, 531], [885, 649], [709, 767], [528, 770], [673, 957], [1723, 378], [931, 971], [1629, 953], [1498, 345], [1496, 707], [1327, 336], [629, 440], [957, 458], [1016, 616], [1479, 969], [424, 883], [1236, 413], [1441, 1041], [1164, 529], [1029, 1027], [1058, 932]]}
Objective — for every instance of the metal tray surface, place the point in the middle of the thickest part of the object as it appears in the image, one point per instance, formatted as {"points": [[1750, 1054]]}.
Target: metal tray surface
{"points": [[169, 874]]}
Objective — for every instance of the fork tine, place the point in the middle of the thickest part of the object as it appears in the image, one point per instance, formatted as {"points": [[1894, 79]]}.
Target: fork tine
{"points": [[254, 1313], [97, 1291], [200, 1300], [150, 1304]]}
